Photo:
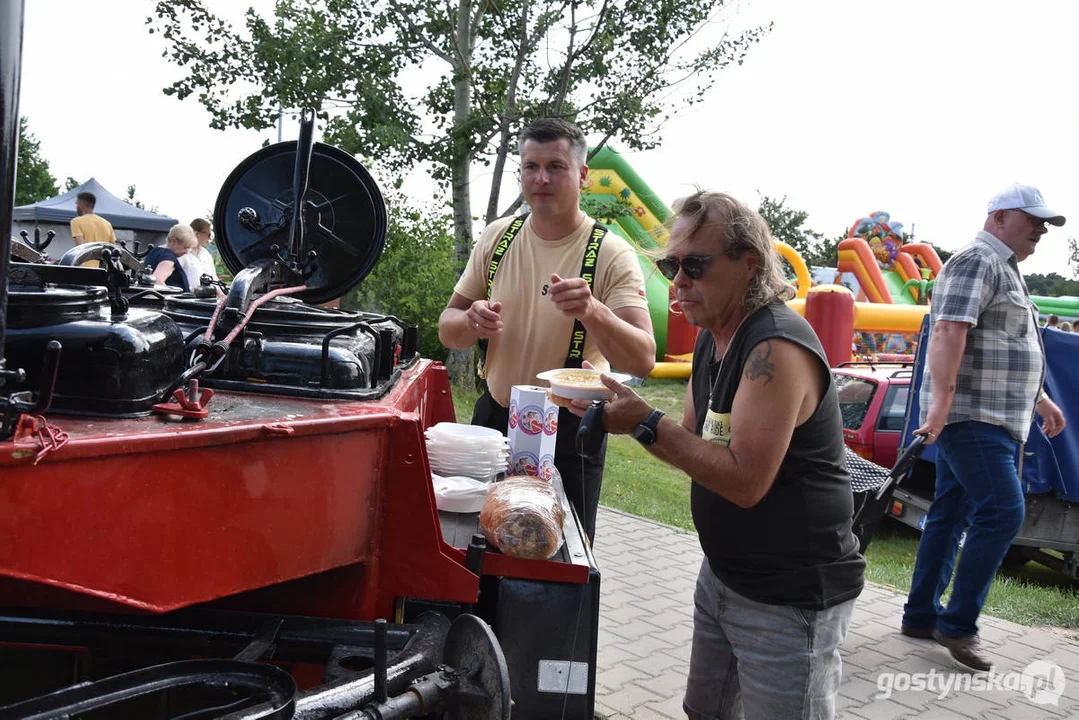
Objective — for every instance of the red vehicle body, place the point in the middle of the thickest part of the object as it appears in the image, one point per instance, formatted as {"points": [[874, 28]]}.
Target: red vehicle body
{"points": [[366, 517], [219, 502], [873, 400]]}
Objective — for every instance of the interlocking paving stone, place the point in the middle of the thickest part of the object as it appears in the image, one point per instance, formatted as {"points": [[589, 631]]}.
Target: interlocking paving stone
{"points": [[858, 689], [974, 705], [866, 658], [881, 710], [629, 696], [1014, 655], [648, 574], [657, 664], [1027, 710], [669, 708]]}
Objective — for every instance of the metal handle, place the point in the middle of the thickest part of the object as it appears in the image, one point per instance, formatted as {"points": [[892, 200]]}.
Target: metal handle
{"points": [[300, 177]]}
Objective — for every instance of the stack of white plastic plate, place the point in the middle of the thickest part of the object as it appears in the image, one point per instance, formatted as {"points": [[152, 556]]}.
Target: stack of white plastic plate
{"points": [[469, 450]]}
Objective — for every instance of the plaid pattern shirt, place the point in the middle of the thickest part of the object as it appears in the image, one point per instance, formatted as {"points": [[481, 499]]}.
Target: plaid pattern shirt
{"points": [[1003, 364]]}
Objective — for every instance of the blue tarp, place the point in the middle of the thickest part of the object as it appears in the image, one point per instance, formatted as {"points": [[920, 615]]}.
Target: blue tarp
{"points": [[61, 209], [1049, 466]]}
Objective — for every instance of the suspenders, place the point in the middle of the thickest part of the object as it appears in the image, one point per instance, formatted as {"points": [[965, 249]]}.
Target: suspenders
{"points": [[575, 354]]}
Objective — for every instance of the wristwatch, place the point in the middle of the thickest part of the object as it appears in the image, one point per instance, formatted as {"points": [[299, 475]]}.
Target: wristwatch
{"points": [[645, 433]]}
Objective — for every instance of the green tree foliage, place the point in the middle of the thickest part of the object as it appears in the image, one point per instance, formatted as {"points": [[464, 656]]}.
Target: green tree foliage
{"points": [[402, 82], [33, 181], [71, 183], [1051, 285], [414, 277], [825, 253], [131, 199], [788, 225]]}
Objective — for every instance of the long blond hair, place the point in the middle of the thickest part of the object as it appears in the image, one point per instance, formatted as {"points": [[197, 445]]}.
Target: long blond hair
{"points": [[742, 229]]}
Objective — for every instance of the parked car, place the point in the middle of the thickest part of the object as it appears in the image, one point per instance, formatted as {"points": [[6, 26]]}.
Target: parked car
{"points": [[873, 400]]}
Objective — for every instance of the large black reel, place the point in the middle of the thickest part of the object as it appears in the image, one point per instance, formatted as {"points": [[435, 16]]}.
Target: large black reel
{"points": [[473, 651], [344, 217]]}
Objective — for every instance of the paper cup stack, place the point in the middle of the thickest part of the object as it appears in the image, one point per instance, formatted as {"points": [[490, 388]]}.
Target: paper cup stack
{"points": [[466, 450]]}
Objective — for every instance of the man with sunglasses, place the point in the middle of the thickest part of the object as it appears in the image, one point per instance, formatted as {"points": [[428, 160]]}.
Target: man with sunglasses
{"points": [[981, 386], [761, 437], [551, 289]]}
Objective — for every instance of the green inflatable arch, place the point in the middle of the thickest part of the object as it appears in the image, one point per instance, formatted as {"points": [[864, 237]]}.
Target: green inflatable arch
{"points": [[615, 195]]}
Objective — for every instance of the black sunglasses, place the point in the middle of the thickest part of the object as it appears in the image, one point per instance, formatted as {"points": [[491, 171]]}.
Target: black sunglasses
{"points": [[692, 265]]}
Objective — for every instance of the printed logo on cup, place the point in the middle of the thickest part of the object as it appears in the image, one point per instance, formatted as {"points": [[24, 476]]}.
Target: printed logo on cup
{"points": [[550, 422], [526, 464], [546, 467], [531, 419]]}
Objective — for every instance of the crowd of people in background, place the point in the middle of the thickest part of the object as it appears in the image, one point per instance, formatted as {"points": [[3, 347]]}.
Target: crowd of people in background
{"points": [[181, 262], [185, 258], [1053, 322]]}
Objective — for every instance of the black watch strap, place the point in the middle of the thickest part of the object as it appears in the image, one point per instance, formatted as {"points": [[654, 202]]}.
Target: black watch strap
{"points": [[646, 432]]}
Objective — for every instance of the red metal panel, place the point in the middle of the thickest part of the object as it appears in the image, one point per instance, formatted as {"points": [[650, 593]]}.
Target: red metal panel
{"points": [[169, 528], [317, 507], [412, 559], [159, 515]]}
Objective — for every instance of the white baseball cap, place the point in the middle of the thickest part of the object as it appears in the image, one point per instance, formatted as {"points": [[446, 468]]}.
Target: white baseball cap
{"points": [[1027, 199]]}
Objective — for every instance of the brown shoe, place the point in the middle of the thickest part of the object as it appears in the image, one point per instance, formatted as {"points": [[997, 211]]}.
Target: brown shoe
{"points": [[965, 651], [917, 632]]}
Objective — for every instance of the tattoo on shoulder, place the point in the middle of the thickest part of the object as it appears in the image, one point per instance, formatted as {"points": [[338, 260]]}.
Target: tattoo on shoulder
{"points": [[759, 364]]}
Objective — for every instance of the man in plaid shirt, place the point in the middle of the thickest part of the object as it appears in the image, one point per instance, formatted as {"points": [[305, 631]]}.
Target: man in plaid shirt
{"points": [[981, 386]]}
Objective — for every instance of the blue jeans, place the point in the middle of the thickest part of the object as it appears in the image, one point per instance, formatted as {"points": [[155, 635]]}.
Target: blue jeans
{"points": [[977, 486], [762, 662]]}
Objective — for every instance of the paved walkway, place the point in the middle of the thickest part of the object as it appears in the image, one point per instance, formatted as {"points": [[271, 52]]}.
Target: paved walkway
{"points": [[646, 621]]}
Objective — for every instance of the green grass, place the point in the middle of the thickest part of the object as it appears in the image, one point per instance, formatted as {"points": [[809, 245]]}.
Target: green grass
{"points": [[1031, 594], [637, 483], [464, 399]]}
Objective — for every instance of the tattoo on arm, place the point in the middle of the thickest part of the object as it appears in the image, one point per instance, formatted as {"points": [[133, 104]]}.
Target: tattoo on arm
{"points": [[758, 365]]}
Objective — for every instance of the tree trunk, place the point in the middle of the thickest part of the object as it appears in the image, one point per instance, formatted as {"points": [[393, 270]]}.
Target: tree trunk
{"points": [[460, 363], [508, 112]]}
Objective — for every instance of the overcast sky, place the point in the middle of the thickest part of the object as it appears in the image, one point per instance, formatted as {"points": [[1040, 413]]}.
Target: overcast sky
{"points": [[921, 108]]}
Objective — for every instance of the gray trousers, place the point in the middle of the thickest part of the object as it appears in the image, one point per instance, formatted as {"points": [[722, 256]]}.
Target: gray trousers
{"points": [[762, 662]]}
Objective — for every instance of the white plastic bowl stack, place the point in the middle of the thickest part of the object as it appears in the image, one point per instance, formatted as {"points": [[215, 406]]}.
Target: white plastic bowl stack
{"points": [[471, 451]]}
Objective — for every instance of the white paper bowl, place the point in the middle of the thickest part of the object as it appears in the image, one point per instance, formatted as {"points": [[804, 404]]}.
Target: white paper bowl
{"points": [[459, 494], [579, 383]]}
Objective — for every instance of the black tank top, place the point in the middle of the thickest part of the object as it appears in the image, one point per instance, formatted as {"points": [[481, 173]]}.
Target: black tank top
{"points": [[795, 547]]}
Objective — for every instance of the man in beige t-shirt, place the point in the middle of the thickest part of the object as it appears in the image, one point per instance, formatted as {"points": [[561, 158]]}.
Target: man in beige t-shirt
{"points": [[537, 293]]}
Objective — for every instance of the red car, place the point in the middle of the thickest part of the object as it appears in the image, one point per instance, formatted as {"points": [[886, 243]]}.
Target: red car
{"points": [[873, 400]]}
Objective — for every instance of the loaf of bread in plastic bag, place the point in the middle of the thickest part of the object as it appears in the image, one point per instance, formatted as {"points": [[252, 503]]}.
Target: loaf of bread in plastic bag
{"points": [[523, 518]]}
